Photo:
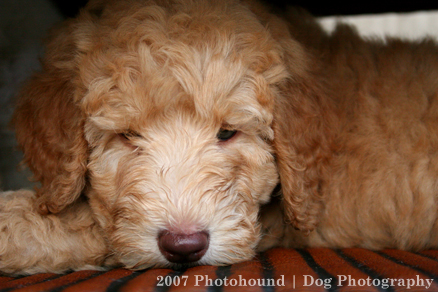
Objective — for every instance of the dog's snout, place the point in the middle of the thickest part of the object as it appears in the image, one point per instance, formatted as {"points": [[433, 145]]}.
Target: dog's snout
{"points": [[183, 248]]}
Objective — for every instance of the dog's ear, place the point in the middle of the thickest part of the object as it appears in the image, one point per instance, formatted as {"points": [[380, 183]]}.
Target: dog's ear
{"points": [[49, 128], [303, 119], [302, 142]]}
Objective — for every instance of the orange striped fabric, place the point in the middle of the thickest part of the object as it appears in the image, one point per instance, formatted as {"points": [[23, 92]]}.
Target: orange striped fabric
{"points": [[279, 269]]}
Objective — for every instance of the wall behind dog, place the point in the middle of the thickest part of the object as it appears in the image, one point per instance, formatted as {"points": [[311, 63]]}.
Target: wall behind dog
{"points": [[410, 25], [23, 25]]}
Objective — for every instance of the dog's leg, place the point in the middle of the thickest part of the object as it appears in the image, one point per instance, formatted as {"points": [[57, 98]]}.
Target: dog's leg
{"points": [[275, 230], [34, 243]]}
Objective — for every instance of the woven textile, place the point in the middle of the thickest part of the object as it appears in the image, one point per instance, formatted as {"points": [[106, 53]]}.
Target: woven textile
{"points": [[278, 269]]}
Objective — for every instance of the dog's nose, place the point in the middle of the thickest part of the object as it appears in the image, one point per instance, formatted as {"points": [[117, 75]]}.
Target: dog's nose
{"points": [[183, 248]]}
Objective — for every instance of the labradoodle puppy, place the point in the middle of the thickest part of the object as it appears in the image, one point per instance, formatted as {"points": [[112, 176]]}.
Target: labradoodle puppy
{"points": [[159, 130]]}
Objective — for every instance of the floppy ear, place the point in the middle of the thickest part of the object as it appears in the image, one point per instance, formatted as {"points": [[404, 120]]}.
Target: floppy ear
{"points": [[49, 128], [302, 142], [303, 125]]}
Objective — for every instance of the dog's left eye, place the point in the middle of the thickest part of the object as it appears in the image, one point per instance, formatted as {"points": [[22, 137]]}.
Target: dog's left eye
{"points": [[224, 134]]}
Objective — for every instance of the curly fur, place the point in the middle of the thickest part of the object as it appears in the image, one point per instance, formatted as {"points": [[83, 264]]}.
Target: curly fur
{"points": [[120, 130]]}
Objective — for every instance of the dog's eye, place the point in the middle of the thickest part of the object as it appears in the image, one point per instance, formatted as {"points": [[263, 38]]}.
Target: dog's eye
{"points": [[128, 135], [224, 134]]}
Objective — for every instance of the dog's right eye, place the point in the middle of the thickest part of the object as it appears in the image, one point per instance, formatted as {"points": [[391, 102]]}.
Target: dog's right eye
{"points": [[129, 135]]}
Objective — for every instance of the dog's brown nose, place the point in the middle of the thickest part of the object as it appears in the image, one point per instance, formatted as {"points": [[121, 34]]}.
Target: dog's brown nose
{"points": [[183, 248]]}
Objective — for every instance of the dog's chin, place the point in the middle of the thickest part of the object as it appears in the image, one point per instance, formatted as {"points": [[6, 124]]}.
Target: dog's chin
{"points": [[132, 262], [226, 251], [170, 265]]}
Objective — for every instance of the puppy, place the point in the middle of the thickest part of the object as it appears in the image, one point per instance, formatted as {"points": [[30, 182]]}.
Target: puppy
{"points": [[160, 130]]}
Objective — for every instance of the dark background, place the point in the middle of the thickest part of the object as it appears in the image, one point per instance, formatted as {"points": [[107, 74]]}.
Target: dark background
{"points": [[69, 8]]}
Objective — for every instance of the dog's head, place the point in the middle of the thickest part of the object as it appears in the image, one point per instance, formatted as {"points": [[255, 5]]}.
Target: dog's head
{"points": [[164, 114]]}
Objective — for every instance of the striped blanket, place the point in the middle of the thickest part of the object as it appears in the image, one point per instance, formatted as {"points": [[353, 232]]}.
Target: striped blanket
{"points": [[317, 269]]}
